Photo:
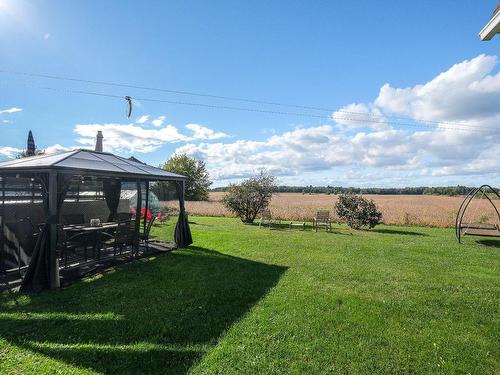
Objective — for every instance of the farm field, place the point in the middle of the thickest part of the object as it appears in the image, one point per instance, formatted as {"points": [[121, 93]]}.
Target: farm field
{"points": [[242, 299], [419, 210]]}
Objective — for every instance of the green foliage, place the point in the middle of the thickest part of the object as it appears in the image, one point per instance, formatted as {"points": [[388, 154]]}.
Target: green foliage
{"points": [[250, 197], [419, 190], [198, 181], [357, 211], [24, 153]]}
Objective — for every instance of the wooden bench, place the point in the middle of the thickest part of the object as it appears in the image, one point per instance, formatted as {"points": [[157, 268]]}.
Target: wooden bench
{"points": [[302, 225], [480, 229], [322, 218], [266, 218]]}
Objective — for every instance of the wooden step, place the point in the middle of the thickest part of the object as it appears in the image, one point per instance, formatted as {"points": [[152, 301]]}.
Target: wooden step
{"points": [[488, 226]]}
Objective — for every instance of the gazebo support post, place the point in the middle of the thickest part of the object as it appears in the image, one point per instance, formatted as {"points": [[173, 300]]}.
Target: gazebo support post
{"points": [[137, 226], [53, 215], [2, 262], [146, 208]]}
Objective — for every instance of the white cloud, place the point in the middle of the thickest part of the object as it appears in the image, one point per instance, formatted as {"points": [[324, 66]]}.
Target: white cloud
{"points": [[158, 121], [129, 137], [466, 91], [143, 119], [9, 152], [463, 101], [56, 148], [202, 132], [136, 138], [6, 121], [355, 116], [11, 110]]}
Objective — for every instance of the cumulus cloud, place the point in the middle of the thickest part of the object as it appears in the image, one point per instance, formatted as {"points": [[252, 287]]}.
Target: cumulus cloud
{"points": [[361, 115], [143, 119], [11, 110], [158, 121], [136, 138], [466, 91], [129, 137], [460, 105], [9, 152], [202, 132], [57, 148]]}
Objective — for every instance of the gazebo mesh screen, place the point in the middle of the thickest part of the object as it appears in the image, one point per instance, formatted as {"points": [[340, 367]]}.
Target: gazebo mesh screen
{"points": [[21, 211], [168, 199], [22, 214]]}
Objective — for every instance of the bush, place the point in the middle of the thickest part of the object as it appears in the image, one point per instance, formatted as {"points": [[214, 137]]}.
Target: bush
{"points": [[357, 211], [250, 197]]}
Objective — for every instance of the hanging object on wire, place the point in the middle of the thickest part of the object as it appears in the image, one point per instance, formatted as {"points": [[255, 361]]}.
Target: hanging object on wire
{"points": [[129, 105]]}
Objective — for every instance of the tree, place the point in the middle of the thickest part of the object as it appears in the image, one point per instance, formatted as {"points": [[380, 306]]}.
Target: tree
{"points": [[24, 153], [198, 181], [357, 211], [250, 197]]}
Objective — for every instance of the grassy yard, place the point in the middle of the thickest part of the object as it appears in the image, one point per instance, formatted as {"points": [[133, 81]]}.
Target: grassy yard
{"points": [[250, 300]]}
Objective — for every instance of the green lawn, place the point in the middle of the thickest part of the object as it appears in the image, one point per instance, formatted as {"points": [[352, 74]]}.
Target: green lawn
{"points": [[250, 300]]}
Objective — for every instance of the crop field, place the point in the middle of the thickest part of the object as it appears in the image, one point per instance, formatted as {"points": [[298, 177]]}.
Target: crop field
{"points": [[420, 210]]}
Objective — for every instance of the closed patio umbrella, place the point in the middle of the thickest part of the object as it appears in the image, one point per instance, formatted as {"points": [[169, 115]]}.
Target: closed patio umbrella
{"points": [[30, 150]]}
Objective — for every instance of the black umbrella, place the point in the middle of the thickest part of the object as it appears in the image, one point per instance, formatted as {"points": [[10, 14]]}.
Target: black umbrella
{"points": [[30, 151]]}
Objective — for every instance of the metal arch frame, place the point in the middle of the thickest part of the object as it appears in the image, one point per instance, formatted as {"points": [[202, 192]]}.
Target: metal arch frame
{"points": [[463, 207]]}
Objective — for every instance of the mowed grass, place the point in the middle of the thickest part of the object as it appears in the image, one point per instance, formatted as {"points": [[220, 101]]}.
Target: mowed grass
{"points": [[250, 300]]}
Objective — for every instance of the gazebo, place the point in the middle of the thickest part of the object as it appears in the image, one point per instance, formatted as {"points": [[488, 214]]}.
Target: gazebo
{"points": [[37, 190]]}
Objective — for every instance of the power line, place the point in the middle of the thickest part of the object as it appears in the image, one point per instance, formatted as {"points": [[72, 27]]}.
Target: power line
{"points": [[458, 127], [256, 110], [182, 92]]}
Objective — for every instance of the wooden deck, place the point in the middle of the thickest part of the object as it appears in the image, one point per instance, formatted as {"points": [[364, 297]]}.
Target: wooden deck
{"points": [[78, 268]]}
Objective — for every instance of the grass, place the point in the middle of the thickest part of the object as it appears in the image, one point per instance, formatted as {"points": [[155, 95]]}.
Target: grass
{"points": [[250, 300]]}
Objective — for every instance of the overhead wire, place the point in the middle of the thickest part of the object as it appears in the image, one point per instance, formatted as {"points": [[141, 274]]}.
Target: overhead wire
{"points": [[223, 97], [365, 117]]}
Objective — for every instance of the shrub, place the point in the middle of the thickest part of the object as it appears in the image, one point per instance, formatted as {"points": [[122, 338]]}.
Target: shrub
{"points": [[357, 211], [250, 197]]}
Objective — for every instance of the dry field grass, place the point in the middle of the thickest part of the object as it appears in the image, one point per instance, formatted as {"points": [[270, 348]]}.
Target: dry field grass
{"points": [[420, 210]]}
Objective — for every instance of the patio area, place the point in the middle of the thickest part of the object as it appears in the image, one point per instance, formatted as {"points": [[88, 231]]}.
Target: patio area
{"points": [[63, 216]]}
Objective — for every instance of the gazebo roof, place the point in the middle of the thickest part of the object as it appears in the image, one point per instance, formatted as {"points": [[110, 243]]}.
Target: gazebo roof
{"points": [[89, 163]]}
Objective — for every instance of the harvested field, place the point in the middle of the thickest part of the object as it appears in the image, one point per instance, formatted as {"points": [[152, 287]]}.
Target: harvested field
{"points": [[420, 210]]}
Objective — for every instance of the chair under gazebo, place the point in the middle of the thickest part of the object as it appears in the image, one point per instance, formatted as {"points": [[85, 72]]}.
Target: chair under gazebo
{"points": [[49, 202]]}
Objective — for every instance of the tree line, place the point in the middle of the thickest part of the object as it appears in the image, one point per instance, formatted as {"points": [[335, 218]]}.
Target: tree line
{"points": [[419, 190]]}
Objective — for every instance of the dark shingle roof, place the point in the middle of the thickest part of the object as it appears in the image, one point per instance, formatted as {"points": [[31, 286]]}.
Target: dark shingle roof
{"points": [[89, 162]]}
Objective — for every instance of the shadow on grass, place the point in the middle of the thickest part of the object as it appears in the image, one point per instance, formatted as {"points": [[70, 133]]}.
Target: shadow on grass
{"points": [[306, 228], [154, 317], [399, 232], [490, 243]]}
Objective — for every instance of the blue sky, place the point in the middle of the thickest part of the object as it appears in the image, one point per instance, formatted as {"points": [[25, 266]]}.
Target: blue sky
{"points": [[335, 55]]}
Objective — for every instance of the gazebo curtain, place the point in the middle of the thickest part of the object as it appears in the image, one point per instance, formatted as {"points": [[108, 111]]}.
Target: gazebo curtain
{"points": [[112, 189], [37, 276], [182, 232]]}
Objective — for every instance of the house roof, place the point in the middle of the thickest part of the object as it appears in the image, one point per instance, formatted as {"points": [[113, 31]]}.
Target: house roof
{"points": [[493, 26], [88, 162]]}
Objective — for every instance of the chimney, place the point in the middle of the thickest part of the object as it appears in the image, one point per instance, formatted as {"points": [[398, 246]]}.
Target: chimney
{"points": [[98, 143]]}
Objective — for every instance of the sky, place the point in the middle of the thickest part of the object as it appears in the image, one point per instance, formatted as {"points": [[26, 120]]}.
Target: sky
{"points": [[378, 93]]}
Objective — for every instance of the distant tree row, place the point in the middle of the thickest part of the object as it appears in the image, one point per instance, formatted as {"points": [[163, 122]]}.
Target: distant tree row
{"points": [[420, 190]]}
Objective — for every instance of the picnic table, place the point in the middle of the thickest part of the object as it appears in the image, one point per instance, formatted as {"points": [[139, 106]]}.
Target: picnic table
{"points": [[90, 228], [93, 231]]}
